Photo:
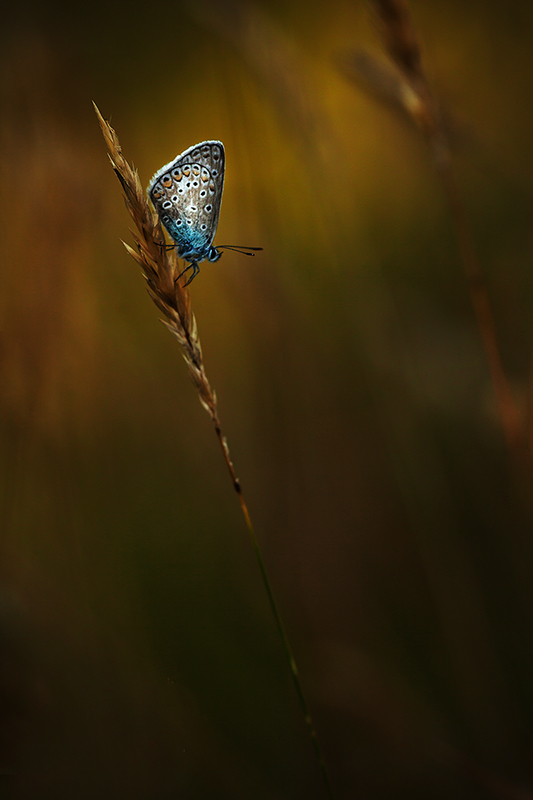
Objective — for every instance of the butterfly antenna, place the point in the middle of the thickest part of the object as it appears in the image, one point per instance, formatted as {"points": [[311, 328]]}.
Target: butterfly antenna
{"points": [[239, 249]]}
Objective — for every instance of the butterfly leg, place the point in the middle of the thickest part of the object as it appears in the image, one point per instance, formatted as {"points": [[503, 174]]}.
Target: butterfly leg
{"points": [[195, 268]]}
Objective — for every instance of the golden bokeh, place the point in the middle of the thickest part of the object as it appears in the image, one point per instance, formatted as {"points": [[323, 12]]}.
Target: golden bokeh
{"points": [[379, 423]]}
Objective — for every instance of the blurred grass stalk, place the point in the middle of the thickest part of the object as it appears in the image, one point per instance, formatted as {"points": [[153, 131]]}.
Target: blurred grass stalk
{"points": [[160, 268], [409, 89]]}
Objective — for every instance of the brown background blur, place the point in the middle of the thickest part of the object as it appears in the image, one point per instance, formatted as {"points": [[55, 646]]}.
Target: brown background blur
{"points": [[138, 655]]}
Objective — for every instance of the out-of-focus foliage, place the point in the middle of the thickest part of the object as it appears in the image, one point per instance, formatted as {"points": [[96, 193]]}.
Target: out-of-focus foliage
{"points": [[139, 658]]}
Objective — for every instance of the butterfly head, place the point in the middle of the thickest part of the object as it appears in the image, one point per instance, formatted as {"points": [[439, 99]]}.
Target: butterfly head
{"points": [[213, 254]]}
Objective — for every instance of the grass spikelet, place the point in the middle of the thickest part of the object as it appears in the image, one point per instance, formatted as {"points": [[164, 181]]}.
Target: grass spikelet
{"points": [[160, 268], [400, 38], [402, 45], [383, 81]]}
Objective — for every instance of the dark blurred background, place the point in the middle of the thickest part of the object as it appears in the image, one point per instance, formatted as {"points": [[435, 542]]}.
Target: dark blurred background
{"points": [[138, 654]]}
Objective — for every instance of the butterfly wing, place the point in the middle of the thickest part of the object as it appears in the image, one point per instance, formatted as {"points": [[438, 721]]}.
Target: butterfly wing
{"points": [[187, 194]]}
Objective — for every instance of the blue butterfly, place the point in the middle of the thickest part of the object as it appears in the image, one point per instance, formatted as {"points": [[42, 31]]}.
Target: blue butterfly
{"points": [[187, 194]]}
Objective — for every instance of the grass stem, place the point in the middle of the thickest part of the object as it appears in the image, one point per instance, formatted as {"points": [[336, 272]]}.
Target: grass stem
{"points": [[161, 271]]}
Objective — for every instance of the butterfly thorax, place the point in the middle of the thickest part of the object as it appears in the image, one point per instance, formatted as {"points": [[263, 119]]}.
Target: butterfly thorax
{"points": [[211, 254], [191, 243]]}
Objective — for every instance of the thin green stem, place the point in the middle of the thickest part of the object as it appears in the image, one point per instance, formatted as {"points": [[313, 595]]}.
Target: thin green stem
{"points": [[277, 617]]}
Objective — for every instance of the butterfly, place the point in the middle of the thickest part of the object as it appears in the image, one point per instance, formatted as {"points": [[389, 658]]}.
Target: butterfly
{"points": [[187, 194]]}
